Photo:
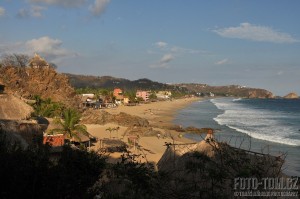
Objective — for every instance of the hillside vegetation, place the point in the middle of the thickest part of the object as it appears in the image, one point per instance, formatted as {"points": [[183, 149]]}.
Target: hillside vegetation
{"points": [[231, 90], [27, 82], [107, 82]]}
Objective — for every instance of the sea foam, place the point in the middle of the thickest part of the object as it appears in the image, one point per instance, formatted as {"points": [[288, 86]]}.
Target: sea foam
{"points": [[257, 123]]}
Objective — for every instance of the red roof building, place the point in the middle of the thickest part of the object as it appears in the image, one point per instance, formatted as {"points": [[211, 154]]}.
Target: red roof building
{"points": [[54, 140]]}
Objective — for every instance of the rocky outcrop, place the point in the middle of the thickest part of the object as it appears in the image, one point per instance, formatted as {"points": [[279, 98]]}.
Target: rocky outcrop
{"points": [[260, 93], [45, 82], [103, 117], [231, 90], [291, 96]]}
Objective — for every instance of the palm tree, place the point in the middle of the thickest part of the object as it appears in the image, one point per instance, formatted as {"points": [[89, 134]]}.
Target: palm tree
{"points": [[69, 125], [110, 130]]}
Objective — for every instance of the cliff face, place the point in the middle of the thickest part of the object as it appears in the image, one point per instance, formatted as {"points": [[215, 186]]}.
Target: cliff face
{"points": [[232, 90], [291, 96], [46, 82]]}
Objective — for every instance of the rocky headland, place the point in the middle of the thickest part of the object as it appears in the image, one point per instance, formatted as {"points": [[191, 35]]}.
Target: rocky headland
{"points": [[231, 90], [291, 96]]}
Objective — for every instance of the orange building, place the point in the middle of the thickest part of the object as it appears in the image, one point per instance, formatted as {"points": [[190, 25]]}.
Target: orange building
{"points": [[54, 140]]}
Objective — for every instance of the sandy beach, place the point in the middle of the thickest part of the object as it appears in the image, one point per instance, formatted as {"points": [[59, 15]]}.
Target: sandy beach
{"points": [[159, 114]]}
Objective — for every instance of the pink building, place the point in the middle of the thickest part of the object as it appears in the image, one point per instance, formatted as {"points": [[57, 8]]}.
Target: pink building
{"points": [[143, 94]]}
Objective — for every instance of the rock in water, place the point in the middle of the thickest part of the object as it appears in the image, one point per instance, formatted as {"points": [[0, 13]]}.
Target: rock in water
{"points": [[291, 96]]}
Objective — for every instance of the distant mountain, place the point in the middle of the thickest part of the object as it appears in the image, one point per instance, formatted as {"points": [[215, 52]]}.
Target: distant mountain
{"points": [[108, 82], [231, 90]]}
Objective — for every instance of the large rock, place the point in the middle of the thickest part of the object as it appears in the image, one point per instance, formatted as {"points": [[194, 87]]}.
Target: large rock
{"points": [[291, 96]]}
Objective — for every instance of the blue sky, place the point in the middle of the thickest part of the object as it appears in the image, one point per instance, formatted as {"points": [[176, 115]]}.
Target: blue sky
{"points": [[251, 43]]}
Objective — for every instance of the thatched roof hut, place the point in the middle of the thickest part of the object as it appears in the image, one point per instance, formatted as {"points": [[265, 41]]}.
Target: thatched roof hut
{"points": [[13, 108], [37, 61], [175, 156], [207, 169]]}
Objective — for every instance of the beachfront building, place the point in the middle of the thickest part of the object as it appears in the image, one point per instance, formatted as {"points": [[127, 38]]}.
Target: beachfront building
{"points": [[54, 140], [118, 94], [164, 95], [126, 100], [38, 62], [143, 94]]}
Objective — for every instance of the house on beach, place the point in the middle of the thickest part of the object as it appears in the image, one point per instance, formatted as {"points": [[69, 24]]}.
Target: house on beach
{"points": [[163, 95], [143, 94], [118, 94], [54, 140]]}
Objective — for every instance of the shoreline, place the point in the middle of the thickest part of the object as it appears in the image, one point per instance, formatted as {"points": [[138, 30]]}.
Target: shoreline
{"points": [[161, 117]]}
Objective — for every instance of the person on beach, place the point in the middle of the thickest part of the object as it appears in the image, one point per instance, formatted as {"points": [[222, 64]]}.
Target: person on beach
{"points": [[158, 135]]}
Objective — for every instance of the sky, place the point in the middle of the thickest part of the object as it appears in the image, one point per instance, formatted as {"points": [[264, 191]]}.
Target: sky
{"points": [[250, 43]]}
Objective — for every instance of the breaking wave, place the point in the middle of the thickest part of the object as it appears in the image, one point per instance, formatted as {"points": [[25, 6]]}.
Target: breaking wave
{"points": [[259, 123]]}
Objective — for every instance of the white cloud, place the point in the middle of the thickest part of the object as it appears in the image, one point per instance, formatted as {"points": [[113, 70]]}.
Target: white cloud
{"points": [[64, 3], [166, 58], [35, 11], [48, 47], [221, 62], [164, 61], [256, 33], [161, 44], [2, 11], [177, 49], [98, 7], [169, 53]]}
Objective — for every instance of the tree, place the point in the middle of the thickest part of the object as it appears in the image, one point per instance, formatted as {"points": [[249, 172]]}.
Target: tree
{"points": [[47, 108], [152, 96], [110, 130], [16, 60], [70, 125], [53, 65]]}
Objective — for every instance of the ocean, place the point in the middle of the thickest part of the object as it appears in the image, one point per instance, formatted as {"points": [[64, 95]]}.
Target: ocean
{"points": [[261, 125]]}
